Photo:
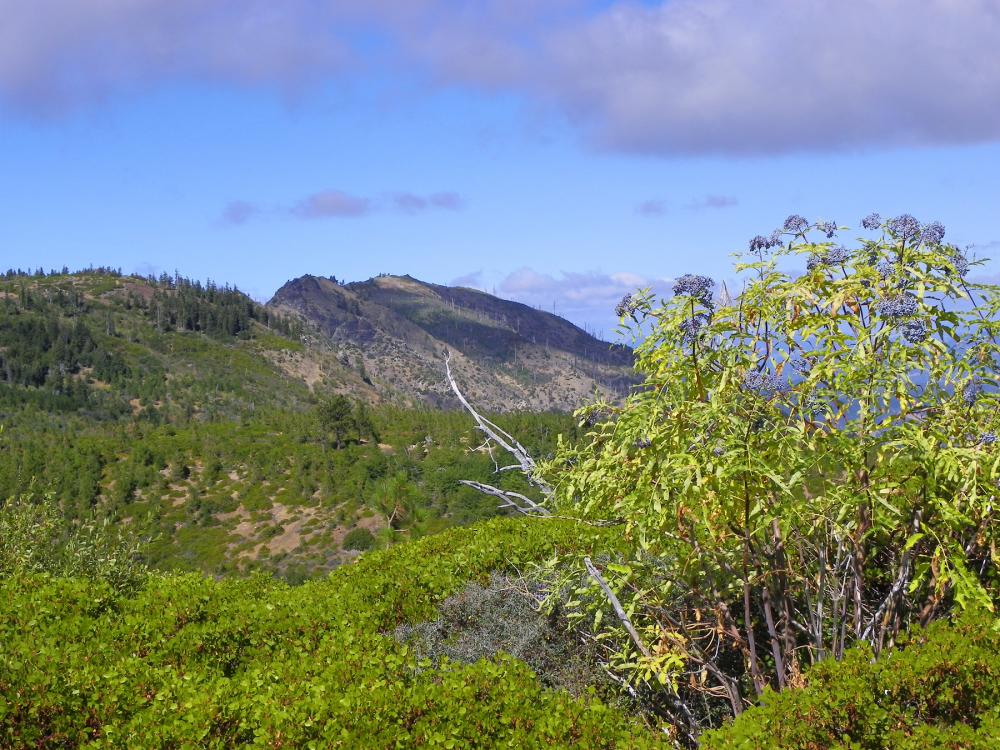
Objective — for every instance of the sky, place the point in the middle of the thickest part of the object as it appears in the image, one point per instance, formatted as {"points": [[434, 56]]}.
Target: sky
{"points": [[560, 153]]}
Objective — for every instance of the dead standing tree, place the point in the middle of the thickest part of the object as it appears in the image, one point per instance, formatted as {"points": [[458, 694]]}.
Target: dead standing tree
{"points": [[525, 463]]}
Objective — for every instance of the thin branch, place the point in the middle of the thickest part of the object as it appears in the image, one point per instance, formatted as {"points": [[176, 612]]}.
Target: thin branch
{"points": [[517, 501], [617, 606], [885, 609], [502, 438]]}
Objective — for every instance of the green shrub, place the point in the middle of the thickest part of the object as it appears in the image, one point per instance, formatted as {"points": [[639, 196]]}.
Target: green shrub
{"points": [[36, 538], [192, 662], [359, 538], [941, 690], [808, 465]]}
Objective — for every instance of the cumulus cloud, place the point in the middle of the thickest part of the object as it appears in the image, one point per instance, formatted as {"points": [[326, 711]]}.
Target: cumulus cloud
{"points": [[667, 77], [587, 298], [331, 204], [728, 76]]}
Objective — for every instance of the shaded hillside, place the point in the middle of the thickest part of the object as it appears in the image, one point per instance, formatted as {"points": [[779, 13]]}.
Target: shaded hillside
{"points": [[508, 355], [110, 345]]}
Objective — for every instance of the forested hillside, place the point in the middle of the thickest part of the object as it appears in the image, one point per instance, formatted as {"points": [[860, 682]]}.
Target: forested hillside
{"points": [[105, 345], [203, 421]]}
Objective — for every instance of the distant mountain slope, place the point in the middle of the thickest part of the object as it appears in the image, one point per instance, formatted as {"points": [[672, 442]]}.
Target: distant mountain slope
{"points": [[109, 345], [507, 355], [189, 413]]}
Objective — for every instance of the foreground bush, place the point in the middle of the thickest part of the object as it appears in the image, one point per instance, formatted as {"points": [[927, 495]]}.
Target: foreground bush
{"points": [[809, 464], [191, 662], [942, 690]]}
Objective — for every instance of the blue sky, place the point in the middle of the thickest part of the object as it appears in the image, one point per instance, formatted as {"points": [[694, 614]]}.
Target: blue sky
{"points": [[557, 153]]}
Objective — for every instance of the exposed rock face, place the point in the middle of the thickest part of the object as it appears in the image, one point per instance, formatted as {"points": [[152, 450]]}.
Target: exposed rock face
{"points": [[507, 355]]}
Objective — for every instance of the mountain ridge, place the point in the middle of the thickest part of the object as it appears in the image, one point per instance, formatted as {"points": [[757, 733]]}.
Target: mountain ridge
{"points": [[508, 355]]}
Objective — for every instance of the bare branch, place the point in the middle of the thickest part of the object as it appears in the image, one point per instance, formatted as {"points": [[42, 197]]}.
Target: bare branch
{"points": [[515, 500], [617, 606], [896, 592], [502, 438]]}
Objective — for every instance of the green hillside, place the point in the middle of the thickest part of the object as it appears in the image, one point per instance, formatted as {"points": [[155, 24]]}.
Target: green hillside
{"points": [[180, 410], [171, 349], [189, 662]]}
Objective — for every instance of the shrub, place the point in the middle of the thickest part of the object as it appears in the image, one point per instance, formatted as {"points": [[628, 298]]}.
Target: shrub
{"points": [[359, 538], [941, 690], [806, 466], [193, 662], [35, 538]]}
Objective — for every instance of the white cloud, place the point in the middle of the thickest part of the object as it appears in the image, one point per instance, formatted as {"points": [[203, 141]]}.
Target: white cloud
{"points": [[673, 77], [587, 299]]}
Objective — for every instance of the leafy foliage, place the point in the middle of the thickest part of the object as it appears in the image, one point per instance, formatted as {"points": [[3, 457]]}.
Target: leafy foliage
{"points": [[189, 661], [359, 539], [803, 468], [36, 538], [941, 690]]}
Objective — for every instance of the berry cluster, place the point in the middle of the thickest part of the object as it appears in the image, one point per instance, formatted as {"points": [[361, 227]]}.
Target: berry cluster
{"points": [[764, 384], [972, 391], [960, 262], [829, 228], [627, 306], [692, 327], [836, 257], [915, 331], [699, 287], [872, 221], [905, 227], [933, 233], [760, 242], [895, 308], [795, 223]]}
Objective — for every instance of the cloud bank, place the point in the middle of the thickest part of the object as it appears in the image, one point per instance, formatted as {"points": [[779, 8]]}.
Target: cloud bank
{"points": [[670, 77], [337, 204]]}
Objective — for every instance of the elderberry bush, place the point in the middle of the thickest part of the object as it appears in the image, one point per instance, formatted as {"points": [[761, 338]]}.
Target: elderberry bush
{"points": [[818, 468]]}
